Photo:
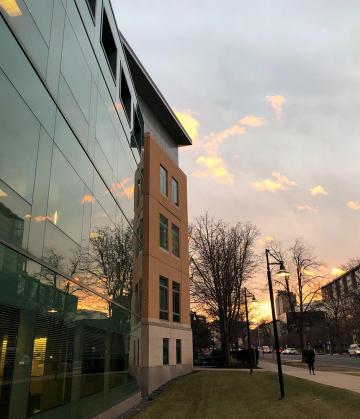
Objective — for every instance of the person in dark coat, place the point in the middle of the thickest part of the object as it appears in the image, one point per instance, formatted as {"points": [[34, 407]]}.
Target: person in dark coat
{"points": [[309, 358]]}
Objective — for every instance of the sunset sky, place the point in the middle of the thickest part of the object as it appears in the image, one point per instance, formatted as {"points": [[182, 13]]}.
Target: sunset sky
{"points": [[270, 93]]}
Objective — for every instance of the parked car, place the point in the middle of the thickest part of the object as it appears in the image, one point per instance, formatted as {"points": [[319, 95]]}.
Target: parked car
{"points": [[290, 351], [266, 350], [354, 349]]}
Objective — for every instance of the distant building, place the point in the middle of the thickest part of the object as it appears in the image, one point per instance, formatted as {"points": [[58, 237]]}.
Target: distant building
{"points": [[342, 285], [283, 301]]}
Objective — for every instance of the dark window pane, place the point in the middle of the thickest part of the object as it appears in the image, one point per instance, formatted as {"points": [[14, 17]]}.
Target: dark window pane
{"points": [[163, 298], [175, 240], [137, 138], [109, 45], [125, 96], [92, 7], [165, 351], [176, 302], [164, 232], [178, 351]]}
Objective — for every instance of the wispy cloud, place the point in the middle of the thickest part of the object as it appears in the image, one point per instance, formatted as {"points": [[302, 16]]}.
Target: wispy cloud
{"points": [[278, 183], [305, 207], [252, 121], [266, 240], [190, 124], [318, 190], [215, 168], [277, 102], [354, 205]]}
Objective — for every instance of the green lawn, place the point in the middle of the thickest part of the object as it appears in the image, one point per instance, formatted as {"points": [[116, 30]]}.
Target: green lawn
{"points": [[232, 394]]}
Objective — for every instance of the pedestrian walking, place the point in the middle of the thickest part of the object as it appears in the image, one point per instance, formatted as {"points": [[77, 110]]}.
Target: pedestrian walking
{"points": [[309, 357]]}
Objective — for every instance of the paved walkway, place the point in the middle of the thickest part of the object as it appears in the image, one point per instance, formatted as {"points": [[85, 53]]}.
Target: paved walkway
{"points": [[334, 379]]}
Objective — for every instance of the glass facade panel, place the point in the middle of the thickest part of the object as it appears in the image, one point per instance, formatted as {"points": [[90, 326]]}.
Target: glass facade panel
{"points": [[19, 136], [60, 345], [41, 11], [75, 70], [65, 207], [15, 216]]}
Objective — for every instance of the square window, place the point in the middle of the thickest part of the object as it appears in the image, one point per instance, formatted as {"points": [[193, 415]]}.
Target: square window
{"points": [[125, 95], [163, 181], [165, 351], [175, 191], [178, 351], [175, 240], [164, 232], [109, 45]]}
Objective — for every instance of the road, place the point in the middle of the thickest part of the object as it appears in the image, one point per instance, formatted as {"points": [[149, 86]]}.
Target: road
{"points": [[334, 363]]}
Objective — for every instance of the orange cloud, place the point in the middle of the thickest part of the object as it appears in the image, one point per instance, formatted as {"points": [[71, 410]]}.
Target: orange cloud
{"points": [[252, 121], [305, 207], [190, 124], [125, 188], [2, 193], [266, 240], [355, 205], [277, 102], [279, 183], [215, 168], [87, 198], [318, 190]]}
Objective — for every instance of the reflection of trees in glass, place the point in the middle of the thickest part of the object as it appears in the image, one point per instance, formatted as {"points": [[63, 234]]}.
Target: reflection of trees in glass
{"points": [[110, 260]]}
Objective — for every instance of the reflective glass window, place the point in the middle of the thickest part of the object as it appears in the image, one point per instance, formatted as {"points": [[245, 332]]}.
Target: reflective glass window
{"points": [[176, 301], [175, 240], [66, 197], [19, 137], [15, 216], [165, 351], [105, 132], [75, 69], [125, 95], [163, 181], [178, 351], [164, 304], [164, 232], [108, 44], [175, 191], [41, 11]]}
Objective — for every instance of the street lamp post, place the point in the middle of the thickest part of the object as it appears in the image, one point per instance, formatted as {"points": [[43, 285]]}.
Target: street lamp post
{"points": [[246, 291], [282, 272]]}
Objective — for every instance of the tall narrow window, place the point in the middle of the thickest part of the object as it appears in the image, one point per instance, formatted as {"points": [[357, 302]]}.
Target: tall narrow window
{"points": [[125, 95], [178, 351], [176, 301], [165, 351], [109, 45], [137, 138], [163, 181], [139, 237], [92, 8], [164, 304], [175, 191], [164, 232], [175, 240]]}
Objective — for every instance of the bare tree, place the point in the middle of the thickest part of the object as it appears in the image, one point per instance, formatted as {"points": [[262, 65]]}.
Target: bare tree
{"points": [[222, 259], [110, 260], [305, 283]]}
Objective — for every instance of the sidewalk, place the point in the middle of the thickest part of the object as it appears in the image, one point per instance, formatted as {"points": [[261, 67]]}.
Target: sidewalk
{"points": [[334, 379]]}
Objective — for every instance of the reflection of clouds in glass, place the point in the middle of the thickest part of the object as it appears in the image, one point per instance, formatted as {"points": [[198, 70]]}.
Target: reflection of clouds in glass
{"points": [[124, 187], [2, 193], [11, 7], [87, 198]]}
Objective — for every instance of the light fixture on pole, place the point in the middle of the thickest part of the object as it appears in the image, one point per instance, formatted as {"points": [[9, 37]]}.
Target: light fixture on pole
{"points": [[282, 272], [248, 293]]}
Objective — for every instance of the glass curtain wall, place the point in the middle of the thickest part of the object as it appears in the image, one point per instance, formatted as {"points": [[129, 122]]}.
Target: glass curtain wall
{"points": [[66, 209]]}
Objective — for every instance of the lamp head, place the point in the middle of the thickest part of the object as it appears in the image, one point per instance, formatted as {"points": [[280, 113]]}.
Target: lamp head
{"points": [[282, 270]]}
